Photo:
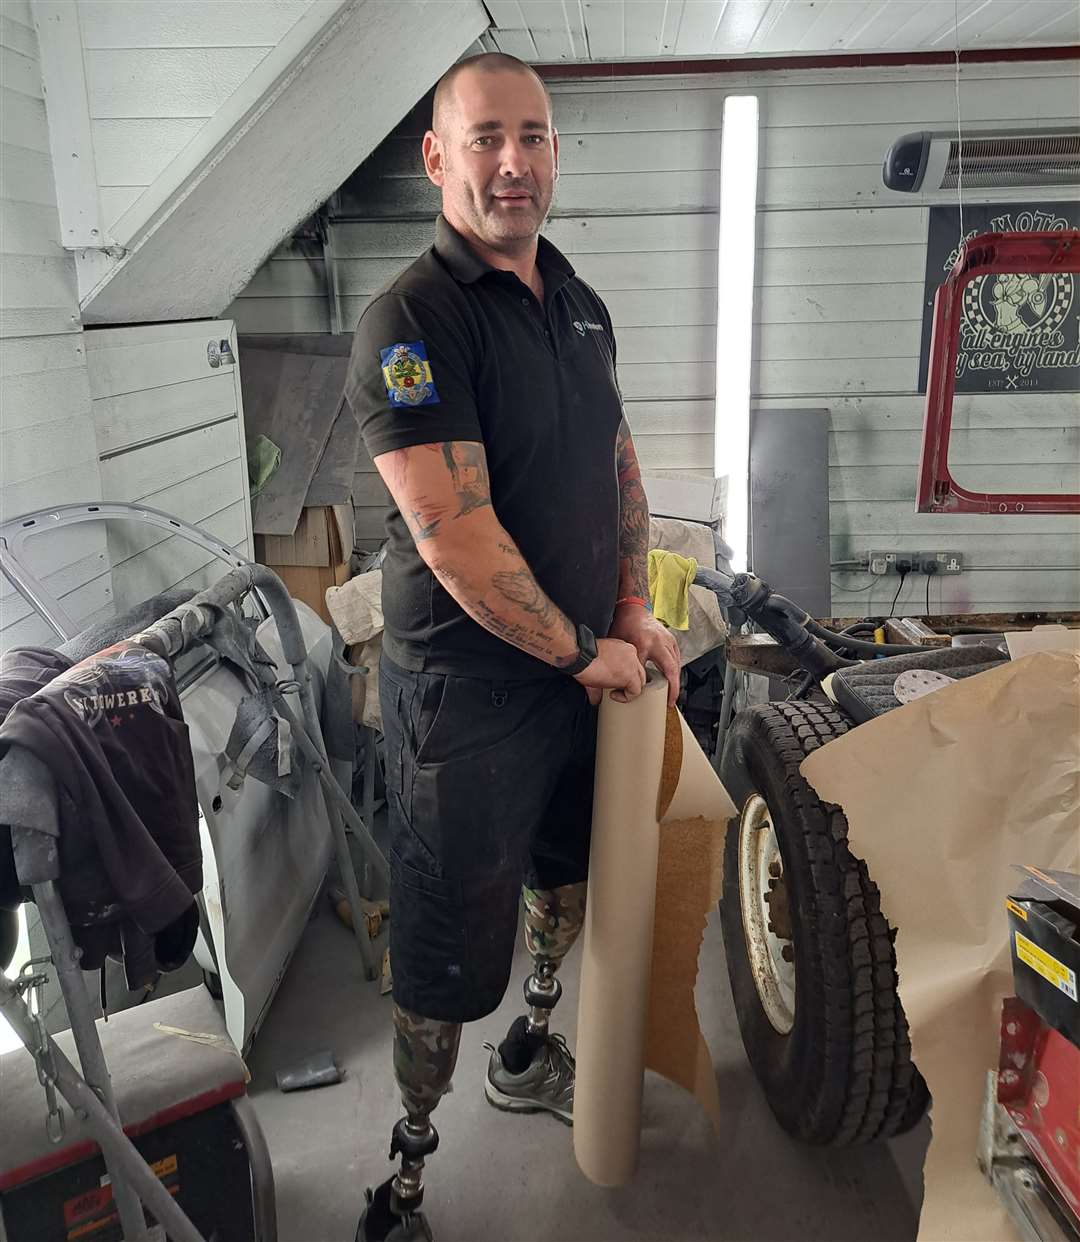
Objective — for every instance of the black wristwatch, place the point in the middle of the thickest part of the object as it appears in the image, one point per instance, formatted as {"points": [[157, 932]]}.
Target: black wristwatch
{"points": [[586, 641]]}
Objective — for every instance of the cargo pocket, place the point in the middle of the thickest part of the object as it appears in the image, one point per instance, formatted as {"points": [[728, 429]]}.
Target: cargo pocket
{"points": [[428, 943]]}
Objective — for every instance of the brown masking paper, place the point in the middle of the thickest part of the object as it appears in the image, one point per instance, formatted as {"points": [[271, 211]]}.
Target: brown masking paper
{"points": [[943, 797], [651, 887]]}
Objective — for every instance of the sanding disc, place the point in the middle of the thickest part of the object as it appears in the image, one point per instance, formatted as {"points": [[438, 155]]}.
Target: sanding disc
{"points": [[913, 683]]}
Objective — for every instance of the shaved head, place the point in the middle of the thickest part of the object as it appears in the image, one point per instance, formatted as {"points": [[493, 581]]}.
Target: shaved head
{"points": [[493, 152], [445, 102]]}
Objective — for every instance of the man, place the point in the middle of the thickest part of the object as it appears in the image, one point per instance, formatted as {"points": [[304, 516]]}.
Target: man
{"points": [[484, 380]]}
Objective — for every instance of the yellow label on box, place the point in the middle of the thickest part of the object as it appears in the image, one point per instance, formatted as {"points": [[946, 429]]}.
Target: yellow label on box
{"points": [[1019, 911], [1042, 963]]}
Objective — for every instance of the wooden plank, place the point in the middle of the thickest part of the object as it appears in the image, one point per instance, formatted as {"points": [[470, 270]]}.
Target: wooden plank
{"points": [[873, 226], [638, 308], [369, 525], [292, 399], [294, 278], [917, 101], [671, 417], [971, 410], [281, 316], [39, 280], [837, 303], [674, 452], [332, 482], [187, 24], [892, 519], [27, 456], [650, 382], [898, 482], [135, 417], [32, 398], [369, 491], [75, 481], [837, 265], [19, 358], [161, 358], [166, 82], [835, 375], [20, 73], [26, 176], [37, 321], [131, 476], [807, 341], [1056, 446], [22, 121], [134, 151], [27, 228]]}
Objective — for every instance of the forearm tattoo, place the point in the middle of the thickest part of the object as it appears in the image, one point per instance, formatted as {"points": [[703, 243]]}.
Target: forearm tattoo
{"points": [[633, 520]]}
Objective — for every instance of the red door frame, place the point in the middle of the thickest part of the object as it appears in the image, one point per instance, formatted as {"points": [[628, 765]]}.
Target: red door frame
{"points": [[937, 491]]}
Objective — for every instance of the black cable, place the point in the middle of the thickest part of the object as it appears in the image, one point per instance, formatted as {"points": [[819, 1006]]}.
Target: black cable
{"points": [[858, 645], [896, 597], [928, 577]]}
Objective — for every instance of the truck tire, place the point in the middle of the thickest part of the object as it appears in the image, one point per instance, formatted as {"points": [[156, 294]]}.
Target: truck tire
{"points": [[810, 954]]}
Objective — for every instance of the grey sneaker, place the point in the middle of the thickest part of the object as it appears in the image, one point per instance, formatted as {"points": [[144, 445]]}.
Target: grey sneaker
{"points": [[547, 1086]]}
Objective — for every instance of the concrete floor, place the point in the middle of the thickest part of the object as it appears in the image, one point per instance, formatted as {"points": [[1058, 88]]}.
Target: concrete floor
{"points": [[507, 1178]]}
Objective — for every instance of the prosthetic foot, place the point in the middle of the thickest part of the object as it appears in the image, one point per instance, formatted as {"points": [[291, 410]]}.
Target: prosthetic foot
{"points": [[392, 1212], [532, 1071]]}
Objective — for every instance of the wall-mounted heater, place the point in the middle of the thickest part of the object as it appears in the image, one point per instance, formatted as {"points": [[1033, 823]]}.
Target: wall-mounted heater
{"points": [[928, 160]]}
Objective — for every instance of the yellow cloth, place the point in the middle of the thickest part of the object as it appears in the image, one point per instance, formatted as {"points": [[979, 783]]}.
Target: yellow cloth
{"points": [[670, 576]]}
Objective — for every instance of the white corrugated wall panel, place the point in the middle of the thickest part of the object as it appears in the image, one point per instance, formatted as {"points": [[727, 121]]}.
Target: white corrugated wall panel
{"points": [[838, 303], [155, 73], [170, 434], [48, 453]]}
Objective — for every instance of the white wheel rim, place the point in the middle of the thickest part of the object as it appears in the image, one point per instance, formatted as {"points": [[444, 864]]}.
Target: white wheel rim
{"points": [[773, 976]]}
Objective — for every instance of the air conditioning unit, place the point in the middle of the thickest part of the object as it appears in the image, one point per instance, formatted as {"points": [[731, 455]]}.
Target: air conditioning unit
{"points": [[932, 161]]}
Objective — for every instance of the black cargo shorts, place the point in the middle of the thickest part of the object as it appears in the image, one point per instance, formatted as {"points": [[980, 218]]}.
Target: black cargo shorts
{"points": [[489, 784]]}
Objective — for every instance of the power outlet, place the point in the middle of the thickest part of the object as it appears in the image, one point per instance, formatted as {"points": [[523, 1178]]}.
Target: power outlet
{"points": [[880, 563], [946, 562]]}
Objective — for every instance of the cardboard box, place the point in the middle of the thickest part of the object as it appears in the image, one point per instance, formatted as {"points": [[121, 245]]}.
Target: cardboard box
{"points": [[314, 557], [1044, 939], [686, 496]]}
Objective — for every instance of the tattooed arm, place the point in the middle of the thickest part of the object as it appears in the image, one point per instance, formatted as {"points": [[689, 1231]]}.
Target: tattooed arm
{"points": [[444, 494], [632, 623], [633, 520]]}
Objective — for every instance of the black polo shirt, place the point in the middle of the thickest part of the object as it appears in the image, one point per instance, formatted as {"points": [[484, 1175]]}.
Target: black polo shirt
{"points": [[453, 349]]}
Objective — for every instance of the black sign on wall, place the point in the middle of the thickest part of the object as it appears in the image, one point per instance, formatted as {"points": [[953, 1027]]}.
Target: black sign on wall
{"points": [[1019, 333]]}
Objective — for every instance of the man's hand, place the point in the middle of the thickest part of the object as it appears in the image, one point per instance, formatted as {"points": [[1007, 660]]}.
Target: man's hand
{"points": [[634, 625], [616, 668]]}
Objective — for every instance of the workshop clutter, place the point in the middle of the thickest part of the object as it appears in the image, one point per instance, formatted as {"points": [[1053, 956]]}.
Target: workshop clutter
{"points": [[314, 557]]}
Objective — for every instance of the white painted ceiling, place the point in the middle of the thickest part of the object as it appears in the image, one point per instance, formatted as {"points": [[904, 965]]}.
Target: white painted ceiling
{"points": [[544, 31]]}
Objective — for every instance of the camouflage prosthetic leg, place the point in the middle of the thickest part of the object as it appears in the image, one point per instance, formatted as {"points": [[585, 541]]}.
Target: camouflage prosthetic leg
{"points": [[553, 919], [532, 1070], [425, 1053]]}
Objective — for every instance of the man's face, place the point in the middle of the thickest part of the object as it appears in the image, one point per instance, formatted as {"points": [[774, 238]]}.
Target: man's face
{"points": [[494, 157]]}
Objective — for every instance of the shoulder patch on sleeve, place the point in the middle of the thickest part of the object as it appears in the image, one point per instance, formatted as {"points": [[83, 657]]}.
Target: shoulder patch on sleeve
{"points": [[407, 374]]}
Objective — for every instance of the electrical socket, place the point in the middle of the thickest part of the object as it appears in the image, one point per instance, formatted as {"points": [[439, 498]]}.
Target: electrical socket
{"points": [[881, 563], [946, 562]]}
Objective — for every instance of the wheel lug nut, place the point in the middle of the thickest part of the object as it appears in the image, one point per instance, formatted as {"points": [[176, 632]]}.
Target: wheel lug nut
{"points": [[787, 952], [775, 869]]}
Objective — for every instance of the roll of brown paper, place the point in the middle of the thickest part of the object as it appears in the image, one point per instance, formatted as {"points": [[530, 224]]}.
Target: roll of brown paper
{"points": [[617, 944], [629, 1013]]}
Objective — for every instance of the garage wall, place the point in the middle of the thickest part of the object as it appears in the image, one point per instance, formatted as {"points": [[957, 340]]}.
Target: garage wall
{"points": [[170, 435], [48, 454], [838, 309], [156, 73]]}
